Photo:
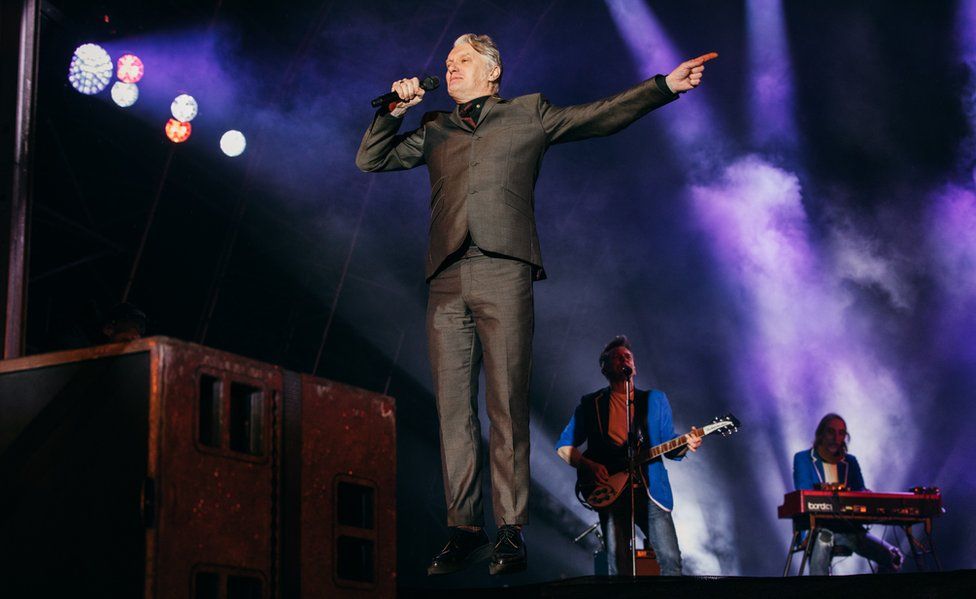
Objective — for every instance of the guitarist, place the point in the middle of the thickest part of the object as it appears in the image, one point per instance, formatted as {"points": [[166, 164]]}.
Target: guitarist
{"points": [[601, 421]]}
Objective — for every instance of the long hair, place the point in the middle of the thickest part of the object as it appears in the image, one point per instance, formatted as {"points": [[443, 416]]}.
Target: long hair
{"points": [[822, 429]]}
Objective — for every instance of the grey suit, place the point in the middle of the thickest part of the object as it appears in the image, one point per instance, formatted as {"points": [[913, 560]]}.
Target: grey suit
{"points": [[480, 304]]}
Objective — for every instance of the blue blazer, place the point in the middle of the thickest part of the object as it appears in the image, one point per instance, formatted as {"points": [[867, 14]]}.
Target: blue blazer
{"points": [[660, 428], [808, 470]]}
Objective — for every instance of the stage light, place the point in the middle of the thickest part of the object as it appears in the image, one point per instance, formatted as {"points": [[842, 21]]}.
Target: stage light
{"points": [[771, 75], [184, 108], [125, 94], [178, 131], [90, 69], [130, 68], [233, 143]]}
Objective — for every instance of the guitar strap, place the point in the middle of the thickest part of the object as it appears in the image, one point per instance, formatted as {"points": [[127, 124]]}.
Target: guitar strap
{"points": [[641, 399]]}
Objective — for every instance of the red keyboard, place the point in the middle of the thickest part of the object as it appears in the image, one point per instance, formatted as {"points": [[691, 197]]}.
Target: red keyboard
{"points": [[862, 505]]}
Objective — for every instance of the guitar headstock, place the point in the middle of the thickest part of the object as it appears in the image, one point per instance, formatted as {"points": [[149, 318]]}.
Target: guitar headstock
{"points": [[724, 425]]}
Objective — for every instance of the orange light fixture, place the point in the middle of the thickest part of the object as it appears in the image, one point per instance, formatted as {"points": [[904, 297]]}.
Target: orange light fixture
{"points": [[178, 131]]}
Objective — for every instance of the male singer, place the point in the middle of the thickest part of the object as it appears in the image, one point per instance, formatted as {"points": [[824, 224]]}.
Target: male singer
{"points": [[483, 256]]}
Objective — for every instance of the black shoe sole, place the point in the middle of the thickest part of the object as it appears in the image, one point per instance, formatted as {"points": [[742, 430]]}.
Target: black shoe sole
{"points": [[478, 555], [509, 568]]}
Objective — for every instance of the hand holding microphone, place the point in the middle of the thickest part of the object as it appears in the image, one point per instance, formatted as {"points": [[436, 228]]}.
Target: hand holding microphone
{"points": [[405, 93]]}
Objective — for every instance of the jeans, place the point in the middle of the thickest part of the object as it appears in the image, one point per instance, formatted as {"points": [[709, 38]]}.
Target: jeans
{"points": [[654, 522], [888, 557]]}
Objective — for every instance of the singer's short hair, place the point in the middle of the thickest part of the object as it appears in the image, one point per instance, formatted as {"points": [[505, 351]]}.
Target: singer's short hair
{"points": [[484, 45], [618, 341]]}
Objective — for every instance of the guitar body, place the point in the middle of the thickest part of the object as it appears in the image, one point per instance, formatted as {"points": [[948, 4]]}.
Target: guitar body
{"points": [[596, 495]]}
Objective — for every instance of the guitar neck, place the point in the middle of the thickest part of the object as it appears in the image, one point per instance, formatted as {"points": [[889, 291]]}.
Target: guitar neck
{"points": [[658, 450]]}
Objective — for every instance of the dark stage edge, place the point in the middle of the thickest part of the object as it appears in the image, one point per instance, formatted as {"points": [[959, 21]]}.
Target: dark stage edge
{"points": [[955, 584]]}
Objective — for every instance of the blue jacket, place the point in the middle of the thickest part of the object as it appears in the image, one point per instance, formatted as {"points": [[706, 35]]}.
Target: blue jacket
{"points": [[660, 428], [808, 470]]}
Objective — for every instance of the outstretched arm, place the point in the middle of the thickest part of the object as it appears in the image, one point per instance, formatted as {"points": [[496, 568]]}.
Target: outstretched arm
{"points": [[688, 75], [603, 117], [610, 115]]}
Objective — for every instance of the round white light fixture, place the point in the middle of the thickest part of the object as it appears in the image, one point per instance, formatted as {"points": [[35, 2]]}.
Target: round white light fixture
{"points": [[90, 69], [233, 143], [184, 108], [125, 94]]}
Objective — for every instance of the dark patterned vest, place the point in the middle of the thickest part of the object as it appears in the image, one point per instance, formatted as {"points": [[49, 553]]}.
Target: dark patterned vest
{"points": [[599, 446]]}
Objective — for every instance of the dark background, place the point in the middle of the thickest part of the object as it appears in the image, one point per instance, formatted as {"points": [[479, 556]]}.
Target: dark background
{"points": [[779, 258]]}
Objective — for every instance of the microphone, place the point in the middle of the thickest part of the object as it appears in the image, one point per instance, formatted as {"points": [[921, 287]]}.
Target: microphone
{"points": [[428, 83], [626, 371]]}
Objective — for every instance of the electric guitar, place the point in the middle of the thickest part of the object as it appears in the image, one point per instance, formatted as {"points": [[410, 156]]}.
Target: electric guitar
{"points": [[595, 495]]}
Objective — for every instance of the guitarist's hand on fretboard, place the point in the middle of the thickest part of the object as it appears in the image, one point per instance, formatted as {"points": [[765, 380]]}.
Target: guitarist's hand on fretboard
{"points": [[694, 439]]}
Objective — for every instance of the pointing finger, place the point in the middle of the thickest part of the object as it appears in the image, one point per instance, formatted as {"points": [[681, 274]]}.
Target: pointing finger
{"points": [[694, 62]]}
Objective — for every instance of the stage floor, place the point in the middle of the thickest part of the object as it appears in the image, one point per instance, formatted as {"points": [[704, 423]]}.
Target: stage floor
{"points": [[955, 584]]}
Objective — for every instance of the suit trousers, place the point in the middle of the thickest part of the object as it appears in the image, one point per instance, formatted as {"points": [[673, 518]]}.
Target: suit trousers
{"points": [[480, 312]]}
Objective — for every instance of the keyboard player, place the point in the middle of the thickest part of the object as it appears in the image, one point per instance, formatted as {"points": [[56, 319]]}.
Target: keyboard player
{"points": [[828, 462]]}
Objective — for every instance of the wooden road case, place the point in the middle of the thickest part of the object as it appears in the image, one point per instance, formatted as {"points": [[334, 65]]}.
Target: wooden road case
{"points": [[160, 468]]}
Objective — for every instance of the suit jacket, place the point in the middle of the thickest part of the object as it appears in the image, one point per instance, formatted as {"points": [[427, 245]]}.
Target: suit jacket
{"points": [[482, 181], [589, 425], [808, 470]]}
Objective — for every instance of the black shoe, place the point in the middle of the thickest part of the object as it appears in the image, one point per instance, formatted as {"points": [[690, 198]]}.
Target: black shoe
{"points": [[508, 555], [463, 549]]}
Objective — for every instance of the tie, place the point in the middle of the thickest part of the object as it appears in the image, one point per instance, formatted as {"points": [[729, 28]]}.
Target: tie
{"points": [[464, 111]]}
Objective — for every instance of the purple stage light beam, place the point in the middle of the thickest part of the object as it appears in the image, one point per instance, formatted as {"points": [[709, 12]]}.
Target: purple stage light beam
{"points": [[770, 76], [952, 216], [951, 234], [966, 32], [966, 40], [952, 244], [691, 125]]}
